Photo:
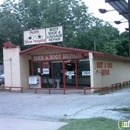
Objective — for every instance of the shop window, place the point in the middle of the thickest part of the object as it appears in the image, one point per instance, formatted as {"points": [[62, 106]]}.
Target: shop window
{"points": [[36, 68], [83, 74]]}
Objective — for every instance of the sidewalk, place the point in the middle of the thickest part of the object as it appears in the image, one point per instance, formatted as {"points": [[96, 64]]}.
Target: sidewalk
{"points": [[42, 111], [11, 123]]}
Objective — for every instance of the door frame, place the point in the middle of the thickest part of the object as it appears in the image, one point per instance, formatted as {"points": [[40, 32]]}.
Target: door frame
{"points": [[76, 74]]}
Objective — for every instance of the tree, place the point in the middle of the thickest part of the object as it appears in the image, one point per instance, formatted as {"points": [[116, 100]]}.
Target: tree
{"points": [[32, 14], [123, 46], [81, 29]]}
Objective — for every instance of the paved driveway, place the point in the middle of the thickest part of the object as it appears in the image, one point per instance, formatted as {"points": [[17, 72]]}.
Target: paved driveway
{"points": [[29, 108]]}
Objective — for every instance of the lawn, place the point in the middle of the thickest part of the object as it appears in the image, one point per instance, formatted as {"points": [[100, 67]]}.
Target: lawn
{"points": [[91, 124], [125, 109], [2, 90]]}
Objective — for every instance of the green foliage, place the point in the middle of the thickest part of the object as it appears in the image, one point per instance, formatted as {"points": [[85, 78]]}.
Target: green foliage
{"points": [[122, 109], [81, 29], [122, 47]]}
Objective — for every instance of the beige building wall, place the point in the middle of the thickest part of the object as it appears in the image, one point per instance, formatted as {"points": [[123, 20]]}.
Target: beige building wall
{"points": [[12, 66], [16, 68], [104, 72], [107, 72], [24, 69]]}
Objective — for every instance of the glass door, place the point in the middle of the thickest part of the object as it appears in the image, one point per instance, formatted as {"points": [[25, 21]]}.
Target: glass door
{"points": [[71, 75], [83, 74], [57, 73]]}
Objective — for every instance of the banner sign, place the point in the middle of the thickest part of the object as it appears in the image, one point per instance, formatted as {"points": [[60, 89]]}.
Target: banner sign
{"points": [[47, 35], [51, 57]]}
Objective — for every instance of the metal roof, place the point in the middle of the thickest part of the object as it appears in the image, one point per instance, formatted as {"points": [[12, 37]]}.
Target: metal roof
{"points": [[95, 53], [120, 6], [53, 47]]}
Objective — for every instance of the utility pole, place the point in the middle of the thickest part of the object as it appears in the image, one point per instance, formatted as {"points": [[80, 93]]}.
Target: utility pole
{"points": [[94, 43]]}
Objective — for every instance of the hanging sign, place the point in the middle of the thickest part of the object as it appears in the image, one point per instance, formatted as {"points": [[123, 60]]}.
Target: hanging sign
{"points": [[58, 57], [46, 35]]}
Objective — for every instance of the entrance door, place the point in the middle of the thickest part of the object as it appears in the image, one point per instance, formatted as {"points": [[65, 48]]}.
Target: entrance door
{"points": [[71, 75]]}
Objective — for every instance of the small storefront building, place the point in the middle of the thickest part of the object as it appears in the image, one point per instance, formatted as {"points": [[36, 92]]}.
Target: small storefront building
{"points": [[48, 65]]}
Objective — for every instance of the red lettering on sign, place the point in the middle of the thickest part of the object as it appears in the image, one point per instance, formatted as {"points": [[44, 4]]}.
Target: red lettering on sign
{"points": [[34, 31], [58, 57], [109, 65], [27, 42], [40, 40], [105, 72], [99, 64]]}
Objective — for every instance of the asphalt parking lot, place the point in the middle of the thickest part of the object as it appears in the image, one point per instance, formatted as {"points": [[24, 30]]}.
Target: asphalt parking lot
{"points": [[19, 111]]}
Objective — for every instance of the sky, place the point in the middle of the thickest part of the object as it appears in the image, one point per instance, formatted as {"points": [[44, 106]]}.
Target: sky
{"points": [[94, 5]]}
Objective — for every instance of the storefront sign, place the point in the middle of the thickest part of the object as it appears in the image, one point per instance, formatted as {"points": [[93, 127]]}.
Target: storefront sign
{"points": [[104, 67], [46, 35], [51, 57]]}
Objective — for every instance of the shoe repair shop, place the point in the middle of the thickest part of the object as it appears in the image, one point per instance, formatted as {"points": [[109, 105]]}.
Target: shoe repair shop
{"points": [[59, 66], [48, 65]]}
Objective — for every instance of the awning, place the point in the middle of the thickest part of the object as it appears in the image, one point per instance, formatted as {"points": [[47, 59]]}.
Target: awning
{"points": [[121, 6]]}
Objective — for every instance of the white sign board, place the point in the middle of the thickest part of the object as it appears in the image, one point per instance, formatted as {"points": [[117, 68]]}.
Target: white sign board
{"points": [[32, 80], [38, 70], [34, 37], [46, 71], [47, 35], [84, 73], [70, 73], [54, 34]]}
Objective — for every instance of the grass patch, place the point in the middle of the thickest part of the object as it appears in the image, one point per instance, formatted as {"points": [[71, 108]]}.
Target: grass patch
{"points": [[128, 86], [104, 91], [91, 124], [96, 91], [3, 90], [122, 109]]}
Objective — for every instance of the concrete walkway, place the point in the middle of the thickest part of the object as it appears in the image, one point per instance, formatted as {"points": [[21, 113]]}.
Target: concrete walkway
{"points": [[11, 123], [42, 111]]}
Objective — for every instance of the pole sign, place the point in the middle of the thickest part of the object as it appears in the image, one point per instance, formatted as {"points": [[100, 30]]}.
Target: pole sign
{"points": [[47, 35]]}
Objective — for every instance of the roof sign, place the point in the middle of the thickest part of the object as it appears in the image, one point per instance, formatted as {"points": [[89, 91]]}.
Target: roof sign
{"points": [[47, 35]]}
